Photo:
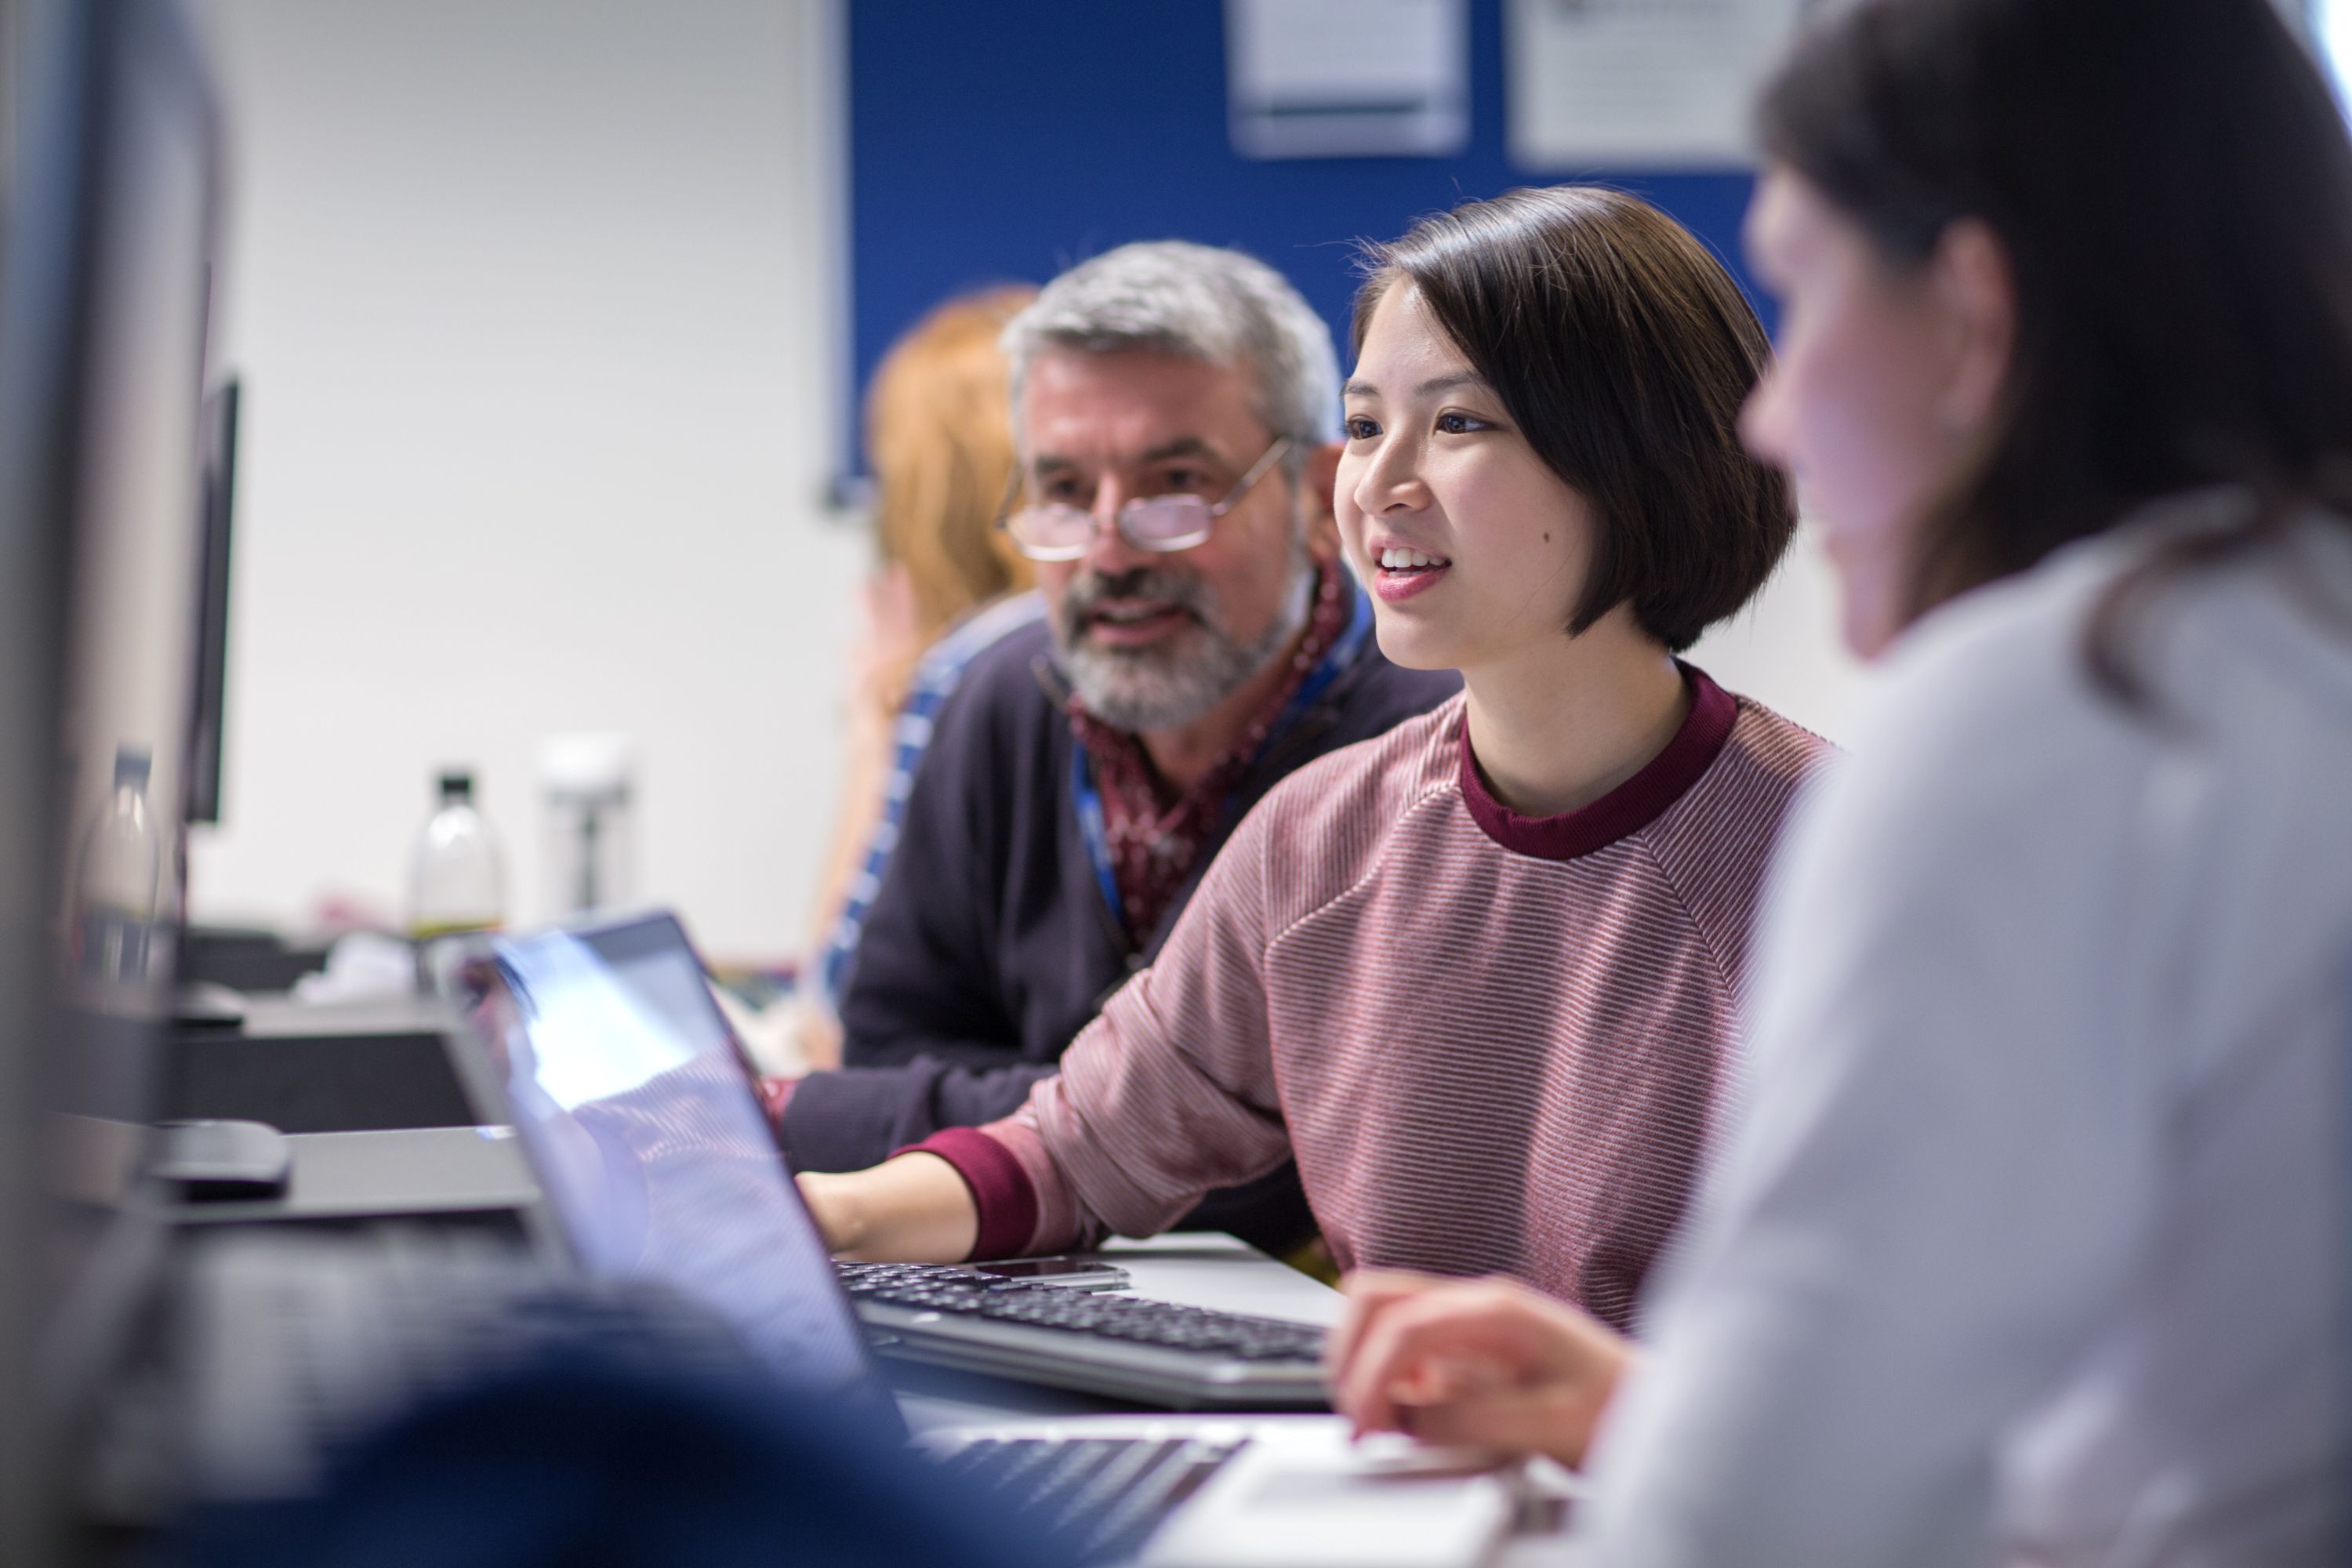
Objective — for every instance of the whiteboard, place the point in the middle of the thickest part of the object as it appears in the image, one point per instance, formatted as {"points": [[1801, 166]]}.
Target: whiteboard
{"points": [[1646, 84], [1348, 79]]}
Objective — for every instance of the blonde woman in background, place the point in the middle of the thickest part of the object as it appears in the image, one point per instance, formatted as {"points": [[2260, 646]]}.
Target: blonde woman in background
{"points": [[947, 585]]}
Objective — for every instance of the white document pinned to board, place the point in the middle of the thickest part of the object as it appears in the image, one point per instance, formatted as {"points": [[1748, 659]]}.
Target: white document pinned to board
{"points": [[1639, 84], [1338, 78]]}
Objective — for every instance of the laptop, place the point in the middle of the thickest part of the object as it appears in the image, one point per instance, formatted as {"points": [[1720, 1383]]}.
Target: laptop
{"points": [[993, 1317], [604, 1049]]}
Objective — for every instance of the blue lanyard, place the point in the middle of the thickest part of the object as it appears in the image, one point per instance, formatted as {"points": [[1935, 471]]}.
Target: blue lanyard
{"points": [[1088, 799]]}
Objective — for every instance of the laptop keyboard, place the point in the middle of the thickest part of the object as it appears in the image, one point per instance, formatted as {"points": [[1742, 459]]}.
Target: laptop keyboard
{"points": [[1097, 1497], [962, 1292]]}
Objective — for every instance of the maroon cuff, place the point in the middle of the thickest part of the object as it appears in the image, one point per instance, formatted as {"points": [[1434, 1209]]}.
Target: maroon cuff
{"points": [[775, 1093], [1000, 1190]]}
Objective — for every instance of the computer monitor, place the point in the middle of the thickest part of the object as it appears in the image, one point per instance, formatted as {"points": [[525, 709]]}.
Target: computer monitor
{"points": [[104, 307], [210, 733]]}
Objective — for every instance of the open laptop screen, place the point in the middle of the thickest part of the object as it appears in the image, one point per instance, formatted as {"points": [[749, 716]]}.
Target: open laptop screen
{"points": [[624, 1084]]}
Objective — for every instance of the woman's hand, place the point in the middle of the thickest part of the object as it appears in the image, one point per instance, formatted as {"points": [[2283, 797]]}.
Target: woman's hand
{"points": [[912, 1209], [1485, 1363]]}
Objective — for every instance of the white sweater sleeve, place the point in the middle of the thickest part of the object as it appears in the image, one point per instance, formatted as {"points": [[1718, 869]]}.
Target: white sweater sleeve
{"points": [[1943, 1169]]}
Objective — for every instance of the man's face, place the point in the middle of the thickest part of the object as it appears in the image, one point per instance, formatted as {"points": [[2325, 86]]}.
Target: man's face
{"points": [[1153, 641]]}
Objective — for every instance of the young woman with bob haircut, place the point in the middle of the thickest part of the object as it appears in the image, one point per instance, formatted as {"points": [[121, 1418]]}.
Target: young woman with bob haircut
{"points": [[2030, 1243], [1480, 974]]}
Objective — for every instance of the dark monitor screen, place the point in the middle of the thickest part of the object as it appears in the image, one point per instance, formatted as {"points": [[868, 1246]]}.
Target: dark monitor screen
{"points": [[209, 738]]}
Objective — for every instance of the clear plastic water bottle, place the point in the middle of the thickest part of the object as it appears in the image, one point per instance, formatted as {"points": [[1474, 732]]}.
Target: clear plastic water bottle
{"points": [[122, 866], [457, 884]]}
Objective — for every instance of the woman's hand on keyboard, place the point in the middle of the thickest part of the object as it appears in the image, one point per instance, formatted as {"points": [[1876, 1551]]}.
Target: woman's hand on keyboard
{"points": [[914, 1208], [1486, 1364]]}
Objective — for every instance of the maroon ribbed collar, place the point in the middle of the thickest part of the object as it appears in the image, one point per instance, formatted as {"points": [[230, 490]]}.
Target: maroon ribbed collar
{"points": [[1624, 811]]}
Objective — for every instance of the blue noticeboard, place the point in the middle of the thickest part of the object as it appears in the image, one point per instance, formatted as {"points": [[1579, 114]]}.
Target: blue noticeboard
{"points": [[1001, 143]]}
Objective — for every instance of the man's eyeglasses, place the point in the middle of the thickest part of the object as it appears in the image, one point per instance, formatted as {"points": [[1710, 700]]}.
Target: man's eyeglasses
{"points": [[1163, 524]]}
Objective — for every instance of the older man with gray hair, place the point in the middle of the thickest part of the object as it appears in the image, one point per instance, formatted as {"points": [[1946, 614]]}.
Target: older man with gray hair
{"points": [[1176, 410]]}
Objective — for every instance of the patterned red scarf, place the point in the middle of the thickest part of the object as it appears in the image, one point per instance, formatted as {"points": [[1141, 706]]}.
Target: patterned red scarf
{"points": [[1154, 833]]}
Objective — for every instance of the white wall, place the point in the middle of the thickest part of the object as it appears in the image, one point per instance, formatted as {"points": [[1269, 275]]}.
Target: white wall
{"points": [[1784, 650], [530, 301]]}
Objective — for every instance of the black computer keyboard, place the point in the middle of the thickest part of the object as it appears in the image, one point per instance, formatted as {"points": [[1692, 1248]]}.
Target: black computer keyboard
{"points": [[965, 1293], [867, 1279]]}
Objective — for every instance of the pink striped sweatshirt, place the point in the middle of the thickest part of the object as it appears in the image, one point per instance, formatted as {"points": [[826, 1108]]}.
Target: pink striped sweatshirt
{"points": [[1491, 1041]]}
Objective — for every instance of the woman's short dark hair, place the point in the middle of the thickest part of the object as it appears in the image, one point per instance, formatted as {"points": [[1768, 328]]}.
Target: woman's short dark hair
{"points": [[2172, 185], [1623, 350]]}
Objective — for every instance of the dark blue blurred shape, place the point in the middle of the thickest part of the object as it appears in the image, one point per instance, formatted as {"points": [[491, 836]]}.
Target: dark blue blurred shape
{"points": [[594, 1460]]}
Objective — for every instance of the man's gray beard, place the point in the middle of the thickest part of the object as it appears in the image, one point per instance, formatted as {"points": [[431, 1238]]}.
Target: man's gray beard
{"points": [[1169, 686]]}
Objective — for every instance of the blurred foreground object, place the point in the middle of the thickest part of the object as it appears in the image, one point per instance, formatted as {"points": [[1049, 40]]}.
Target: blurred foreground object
{"points": [[599, 1457], [105, 305]]}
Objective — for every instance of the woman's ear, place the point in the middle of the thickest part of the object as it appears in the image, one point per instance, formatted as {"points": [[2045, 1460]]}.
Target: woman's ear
{"points": [[1316, 486], [1976, 286]]}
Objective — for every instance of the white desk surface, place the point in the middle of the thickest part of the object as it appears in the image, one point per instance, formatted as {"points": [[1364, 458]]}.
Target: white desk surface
{"points": [[1202, 1269]]}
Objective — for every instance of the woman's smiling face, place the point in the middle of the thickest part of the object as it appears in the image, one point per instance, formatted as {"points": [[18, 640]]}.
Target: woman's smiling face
{"points": [[1474, 548]]}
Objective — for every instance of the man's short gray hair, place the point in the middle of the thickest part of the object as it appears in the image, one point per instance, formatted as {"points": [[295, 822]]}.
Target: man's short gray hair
{"points": [[1203, 303]]}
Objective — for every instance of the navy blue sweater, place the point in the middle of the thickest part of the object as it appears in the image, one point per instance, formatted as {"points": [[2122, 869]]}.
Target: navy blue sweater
{"points": [[988, 945]]}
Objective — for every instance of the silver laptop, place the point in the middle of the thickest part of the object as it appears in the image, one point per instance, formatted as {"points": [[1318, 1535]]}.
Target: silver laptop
{"points": [[603, 1047], [1004, 1319]]}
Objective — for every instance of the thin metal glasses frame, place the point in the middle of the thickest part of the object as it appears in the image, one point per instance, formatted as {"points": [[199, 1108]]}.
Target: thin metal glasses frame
{"points": [[1008, 520]]}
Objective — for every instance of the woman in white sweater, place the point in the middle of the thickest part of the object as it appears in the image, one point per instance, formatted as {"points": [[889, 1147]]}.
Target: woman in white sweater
{"points": [[2032, 1243]]}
